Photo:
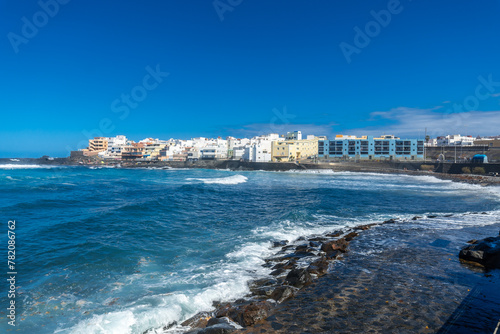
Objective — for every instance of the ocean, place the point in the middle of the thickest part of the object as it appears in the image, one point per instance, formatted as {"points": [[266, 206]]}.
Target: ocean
{"points": [[106, 250]]}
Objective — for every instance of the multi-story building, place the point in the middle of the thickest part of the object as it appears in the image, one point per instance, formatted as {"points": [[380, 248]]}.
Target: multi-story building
{"points": [[260, 149], [133, 152], [98, 144], [487, 142], [291, 150], [115, 148], [152, 151], [455, 140], [213, 152], [370, 148]]}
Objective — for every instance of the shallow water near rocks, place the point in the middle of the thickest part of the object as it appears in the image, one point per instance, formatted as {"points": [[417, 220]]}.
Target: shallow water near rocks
{"points": [[408, 282]]}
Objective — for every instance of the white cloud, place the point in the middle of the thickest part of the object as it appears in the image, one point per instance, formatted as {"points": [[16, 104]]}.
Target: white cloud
{"points": [[413, 121]]}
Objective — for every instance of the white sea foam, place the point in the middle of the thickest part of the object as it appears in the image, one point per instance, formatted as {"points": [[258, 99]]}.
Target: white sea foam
{"points": [[234, 179], [229, 279], [16, 166], [311, 171]]}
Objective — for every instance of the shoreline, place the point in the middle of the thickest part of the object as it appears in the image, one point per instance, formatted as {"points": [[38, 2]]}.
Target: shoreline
{"points": [[312, 282], [405, 168]]}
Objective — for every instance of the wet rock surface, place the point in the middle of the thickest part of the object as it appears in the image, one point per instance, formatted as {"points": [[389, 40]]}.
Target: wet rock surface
{"points": [[401, 284], [294, 267], [388, 279], [485, 252]]}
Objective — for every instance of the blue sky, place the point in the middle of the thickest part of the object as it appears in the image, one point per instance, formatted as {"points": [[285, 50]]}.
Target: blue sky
{"points": [[241, 67]]}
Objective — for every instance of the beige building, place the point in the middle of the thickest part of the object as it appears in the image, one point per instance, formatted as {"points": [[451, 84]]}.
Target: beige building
{"points": [[98, 144], [487, 142], [135, 151], [292, 150], [152, 151]]}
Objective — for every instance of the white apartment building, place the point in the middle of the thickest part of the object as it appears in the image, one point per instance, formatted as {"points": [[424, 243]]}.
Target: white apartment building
{"points": [[115, 147], [455, 140], [259, 149]]}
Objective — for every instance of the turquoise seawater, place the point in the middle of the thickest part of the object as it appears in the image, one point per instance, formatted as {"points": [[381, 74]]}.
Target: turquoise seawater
{"points": [[109, 250]]}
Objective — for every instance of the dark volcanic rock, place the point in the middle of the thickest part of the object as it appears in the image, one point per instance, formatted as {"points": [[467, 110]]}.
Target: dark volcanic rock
{"points": [[333, 254], [351, 236], [416, 217], [278, 272], [288, 265], [298, 278], [301, 247], [390, 221], [282, 293], [318, 267], [485, 252], [297, 255], [336, 245], [246, 314], [364, 227], [315, 244], [263, 282], [334, 234], [280, 243], [432, 216], [197, 321], [219, 326]]}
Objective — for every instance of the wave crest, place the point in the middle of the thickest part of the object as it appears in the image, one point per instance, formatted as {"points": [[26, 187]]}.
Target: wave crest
{"points": [[235, 179]]}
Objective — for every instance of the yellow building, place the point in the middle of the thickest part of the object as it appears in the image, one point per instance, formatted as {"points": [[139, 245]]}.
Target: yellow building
{"points": [[292, 150], [98, 144]]}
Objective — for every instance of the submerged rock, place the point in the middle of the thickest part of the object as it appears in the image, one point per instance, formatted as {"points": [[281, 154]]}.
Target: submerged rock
{"points": [[484, 252]]}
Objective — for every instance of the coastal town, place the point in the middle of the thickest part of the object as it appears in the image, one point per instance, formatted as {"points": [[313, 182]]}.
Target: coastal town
{"points": [[289, 147]]}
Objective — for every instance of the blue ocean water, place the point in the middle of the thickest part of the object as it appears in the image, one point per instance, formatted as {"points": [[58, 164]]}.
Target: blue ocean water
{"points": [[109, 250]]}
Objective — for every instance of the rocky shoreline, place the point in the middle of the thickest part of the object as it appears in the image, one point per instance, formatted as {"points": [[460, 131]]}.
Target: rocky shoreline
{"points": [[294, 266]]}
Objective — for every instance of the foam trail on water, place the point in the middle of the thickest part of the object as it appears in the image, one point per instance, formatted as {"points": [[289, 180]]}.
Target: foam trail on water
{"points": [[235, 179], [15, 166]]}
